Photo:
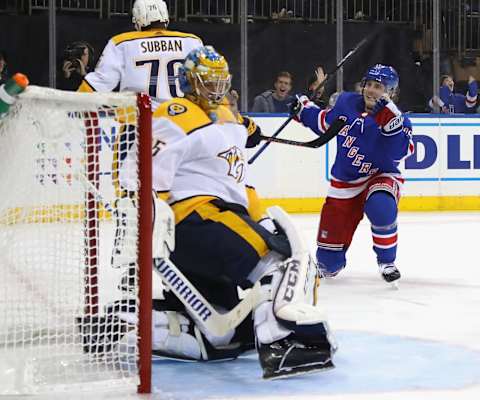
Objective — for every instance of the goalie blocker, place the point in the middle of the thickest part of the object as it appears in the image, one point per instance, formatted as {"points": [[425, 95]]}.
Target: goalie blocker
{"points": [[291, 332]]}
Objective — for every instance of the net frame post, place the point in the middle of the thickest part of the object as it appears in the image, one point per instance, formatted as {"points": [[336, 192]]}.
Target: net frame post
{"points": [[145, 242], [92, 150]]}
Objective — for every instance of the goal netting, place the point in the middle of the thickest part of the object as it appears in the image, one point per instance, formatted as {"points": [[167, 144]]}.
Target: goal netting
{"points": [[69, 319]]}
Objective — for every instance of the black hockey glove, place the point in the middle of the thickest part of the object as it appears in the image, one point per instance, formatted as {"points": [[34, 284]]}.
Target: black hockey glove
{"points": [[296, 107], [254, 132]]}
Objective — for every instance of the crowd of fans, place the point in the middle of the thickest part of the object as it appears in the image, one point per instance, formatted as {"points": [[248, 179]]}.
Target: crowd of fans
{"points": [[78, 59], [278, 99]]}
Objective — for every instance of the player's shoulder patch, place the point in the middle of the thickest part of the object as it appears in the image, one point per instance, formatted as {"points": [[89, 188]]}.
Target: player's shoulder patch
{"points": [[133, 35], [187, 115], [176, 109]]}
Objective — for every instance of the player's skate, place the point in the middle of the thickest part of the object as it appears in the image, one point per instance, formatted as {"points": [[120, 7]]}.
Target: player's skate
{"points": [[289, 356], [325, 274], [390, 273]]}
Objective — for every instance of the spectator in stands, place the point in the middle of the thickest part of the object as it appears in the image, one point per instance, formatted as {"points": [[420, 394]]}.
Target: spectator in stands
{"points": [[77, 62], [317, 96], [3, 67], [452, 103], [278, 99]]}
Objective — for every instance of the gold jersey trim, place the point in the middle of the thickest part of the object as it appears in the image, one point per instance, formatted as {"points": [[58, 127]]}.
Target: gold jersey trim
{"points": [[85, 87], [255, 208], [184, 208], [151, 33], [190, 119], [234, 223]]}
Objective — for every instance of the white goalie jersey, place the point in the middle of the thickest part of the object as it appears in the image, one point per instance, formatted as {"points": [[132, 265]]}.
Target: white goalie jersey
{"points": [[145, 61], [197, 157]]}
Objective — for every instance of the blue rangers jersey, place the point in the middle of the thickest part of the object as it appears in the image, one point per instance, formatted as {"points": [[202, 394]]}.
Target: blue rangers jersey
{"points": [[364, 149]]}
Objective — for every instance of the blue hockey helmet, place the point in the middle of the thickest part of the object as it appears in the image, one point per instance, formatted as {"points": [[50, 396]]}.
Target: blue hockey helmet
{"points": [[384, 74]]}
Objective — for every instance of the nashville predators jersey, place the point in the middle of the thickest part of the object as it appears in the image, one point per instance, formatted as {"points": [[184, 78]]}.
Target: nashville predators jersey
{"points": [[204, 154], [145, 61]]}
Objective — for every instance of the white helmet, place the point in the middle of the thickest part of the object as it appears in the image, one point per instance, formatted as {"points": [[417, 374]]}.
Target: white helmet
{"points": [[144, 12]]}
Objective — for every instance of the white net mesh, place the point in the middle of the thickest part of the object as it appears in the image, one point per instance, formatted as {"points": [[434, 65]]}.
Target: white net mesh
{"points": [[59, 318]]}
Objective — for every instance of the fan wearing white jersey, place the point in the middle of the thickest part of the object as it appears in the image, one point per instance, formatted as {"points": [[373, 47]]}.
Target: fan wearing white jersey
{"points": [[218, 245], [146, 60]]}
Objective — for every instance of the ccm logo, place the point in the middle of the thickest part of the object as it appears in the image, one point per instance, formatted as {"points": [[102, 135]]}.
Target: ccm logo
{"points": [[292, 279]]}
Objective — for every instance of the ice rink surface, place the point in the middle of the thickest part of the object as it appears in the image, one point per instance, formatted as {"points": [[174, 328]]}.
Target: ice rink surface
{"points": [[420, 342]]}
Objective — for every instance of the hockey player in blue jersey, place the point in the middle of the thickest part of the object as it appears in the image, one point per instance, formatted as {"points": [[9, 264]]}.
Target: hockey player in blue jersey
{"points": [[365, 174], [455, 103]]}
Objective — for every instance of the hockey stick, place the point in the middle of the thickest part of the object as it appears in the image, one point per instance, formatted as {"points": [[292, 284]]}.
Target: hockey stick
{"points": [[198, 307], [329, 76], [329, 134]]}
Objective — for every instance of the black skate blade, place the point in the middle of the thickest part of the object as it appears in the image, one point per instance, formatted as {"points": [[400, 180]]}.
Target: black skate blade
{"points": [[298, 371]]}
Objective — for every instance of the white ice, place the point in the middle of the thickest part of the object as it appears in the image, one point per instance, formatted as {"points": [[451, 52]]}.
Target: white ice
{"points": [[420, 342]]}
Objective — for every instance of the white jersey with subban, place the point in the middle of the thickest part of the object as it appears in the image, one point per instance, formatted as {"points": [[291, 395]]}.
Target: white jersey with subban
{"points": [[143, 61], [197, 157]]}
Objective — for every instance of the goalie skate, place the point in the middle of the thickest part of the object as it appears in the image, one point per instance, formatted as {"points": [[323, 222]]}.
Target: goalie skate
{"points": [[290, 357]]}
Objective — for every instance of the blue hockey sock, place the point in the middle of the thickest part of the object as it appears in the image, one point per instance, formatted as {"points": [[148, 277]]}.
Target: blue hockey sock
{"points": [[330, 262], [381, 209]]}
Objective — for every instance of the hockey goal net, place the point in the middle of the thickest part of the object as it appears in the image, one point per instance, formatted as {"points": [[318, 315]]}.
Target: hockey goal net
{"points": [[68, 321]]}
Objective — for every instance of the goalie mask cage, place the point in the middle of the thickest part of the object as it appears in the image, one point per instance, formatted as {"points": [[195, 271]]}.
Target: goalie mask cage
{"points": [[69, 319]]}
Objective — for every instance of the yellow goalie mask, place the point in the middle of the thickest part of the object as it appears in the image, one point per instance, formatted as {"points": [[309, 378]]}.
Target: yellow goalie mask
{"points": [[205, 77]]}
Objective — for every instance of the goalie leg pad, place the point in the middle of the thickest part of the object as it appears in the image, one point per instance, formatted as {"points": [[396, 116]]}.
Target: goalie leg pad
{"points": [[267, 328], [125, 214], [292, 286], [296, 294], [303, 341], [163, 228]]}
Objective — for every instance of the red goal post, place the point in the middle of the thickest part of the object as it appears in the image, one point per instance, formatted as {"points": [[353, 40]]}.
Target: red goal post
{"points": [[70, 318]]}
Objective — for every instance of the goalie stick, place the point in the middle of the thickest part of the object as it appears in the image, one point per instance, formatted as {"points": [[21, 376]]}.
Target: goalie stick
{"points": [[198, 307], [329, 76]]}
